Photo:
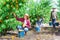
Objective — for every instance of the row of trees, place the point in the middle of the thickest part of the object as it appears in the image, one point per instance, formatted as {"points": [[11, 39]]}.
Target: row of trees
{"points": [[33, 7]]}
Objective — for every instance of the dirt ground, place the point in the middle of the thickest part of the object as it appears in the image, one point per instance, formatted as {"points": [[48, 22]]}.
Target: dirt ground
{"points": [[32, 35]]}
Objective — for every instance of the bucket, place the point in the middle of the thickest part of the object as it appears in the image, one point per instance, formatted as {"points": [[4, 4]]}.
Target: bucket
{"points": [[21, 33], [57, 24], [37, 29], [50, 23]]}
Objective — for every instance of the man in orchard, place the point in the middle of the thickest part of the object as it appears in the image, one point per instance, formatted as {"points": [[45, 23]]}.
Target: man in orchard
{"points": [[53, 17]]}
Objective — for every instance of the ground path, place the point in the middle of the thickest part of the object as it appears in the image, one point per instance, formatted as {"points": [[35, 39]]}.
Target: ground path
{"points": [[31, 35]]}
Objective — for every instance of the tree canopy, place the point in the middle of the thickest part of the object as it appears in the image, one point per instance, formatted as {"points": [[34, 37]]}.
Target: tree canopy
{"points": [[33, 7]]}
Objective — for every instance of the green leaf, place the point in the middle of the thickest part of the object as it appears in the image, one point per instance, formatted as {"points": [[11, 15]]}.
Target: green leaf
{"points": [[3, 26], [0, 29]]}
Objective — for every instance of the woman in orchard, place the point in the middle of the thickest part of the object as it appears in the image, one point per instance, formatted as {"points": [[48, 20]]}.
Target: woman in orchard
{"points": [[25, 20]]}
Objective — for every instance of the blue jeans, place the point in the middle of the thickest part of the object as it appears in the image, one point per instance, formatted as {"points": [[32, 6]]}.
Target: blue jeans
{"points": [[53, 22], [37, 29], [25, 28]]}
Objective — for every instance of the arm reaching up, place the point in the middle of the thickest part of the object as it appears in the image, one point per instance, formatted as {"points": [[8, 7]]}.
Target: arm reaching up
{"points": [[19, 19], [14, 15]]}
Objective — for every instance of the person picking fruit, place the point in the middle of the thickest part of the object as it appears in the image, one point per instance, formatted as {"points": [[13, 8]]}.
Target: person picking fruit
{"points": [[26, 22], [38, 23]]}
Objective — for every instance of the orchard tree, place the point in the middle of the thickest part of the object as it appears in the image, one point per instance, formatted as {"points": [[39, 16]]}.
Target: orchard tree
{"points": [[33, 7], [7, 20]]}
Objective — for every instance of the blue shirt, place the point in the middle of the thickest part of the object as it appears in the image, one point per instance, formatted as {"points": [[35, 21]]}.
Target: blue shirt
{"points": [[39, 21]]}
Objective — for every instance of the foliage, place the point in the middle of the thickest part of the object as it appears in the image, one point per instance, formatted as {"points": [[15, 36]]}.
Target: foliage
{"points": [[20, 7]]}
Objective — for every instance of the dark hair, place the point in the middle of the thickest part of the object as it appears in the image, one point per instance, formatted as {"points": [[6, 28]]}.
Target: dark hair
{"points": [[53, 8]]}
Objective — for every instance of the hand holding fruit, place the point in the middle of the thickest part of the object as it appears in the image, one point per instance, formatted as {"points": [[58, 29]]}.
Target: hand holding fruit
{"points": [[14, 14], [24, 25]]}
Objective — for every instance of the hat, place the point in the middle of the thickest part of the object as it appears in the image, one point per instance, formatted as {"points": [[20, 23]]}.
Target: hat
{"points": [[26, 14]]}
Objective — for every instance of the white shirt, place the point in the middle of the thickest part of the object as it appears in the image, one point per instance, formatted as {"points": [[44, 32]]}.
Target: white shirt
{"points": [[25, 22]]}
